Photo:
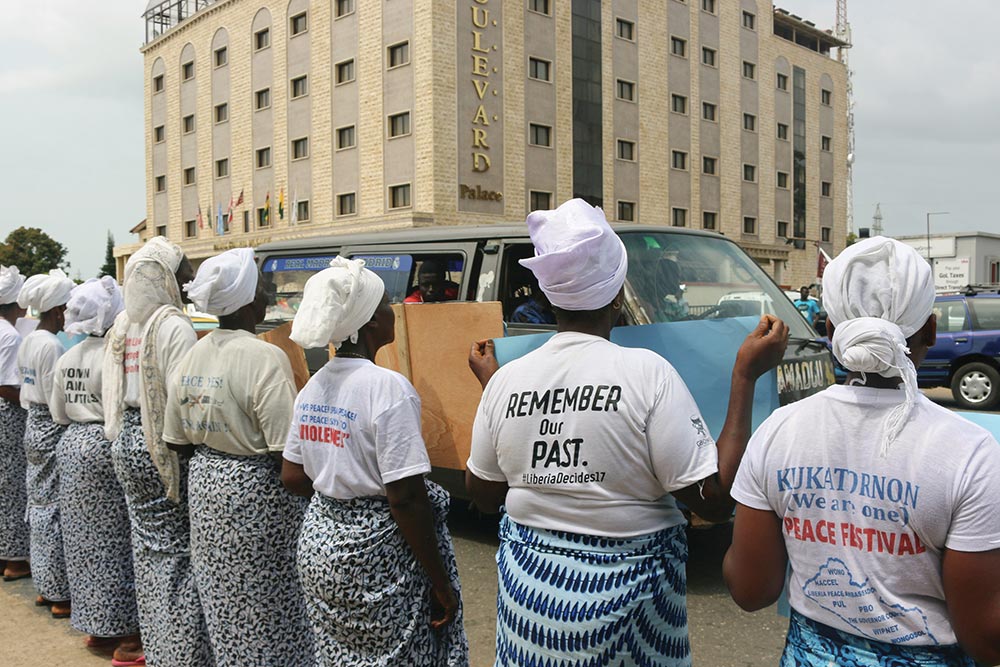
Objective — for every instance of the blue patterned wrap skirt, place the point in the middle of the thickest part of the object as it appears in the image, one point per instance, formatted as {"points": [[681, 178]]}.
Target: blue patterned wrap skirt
{"points": [[96, 535], [48, 561], [14, 534], [570, 600], [368, 598], [244, 534], [813, 644], [171, 620]]}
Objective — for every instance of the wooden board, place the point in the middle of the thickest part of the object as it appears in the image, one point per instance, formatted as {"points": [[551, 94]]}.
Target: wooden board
{"points": [[279, 337]]}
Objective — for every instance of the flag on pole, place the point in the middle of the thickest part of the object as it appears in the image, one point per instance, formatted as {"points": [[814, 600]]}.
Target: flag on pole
{"points": [[240, 199], [201, 220], [220, 225], [229, 215], [267, 208], [281, 204], [295, 207], [822, 259]]}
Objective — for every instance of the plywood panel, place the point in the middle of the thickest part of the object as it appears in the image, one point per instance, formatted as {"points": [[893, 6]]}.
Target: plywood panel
{"points": [[279, 337]]}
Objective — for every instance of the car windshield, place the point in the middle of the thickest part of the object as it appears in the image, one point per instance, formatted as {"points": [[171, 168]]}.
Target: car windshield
{"points": [[674, 277]]}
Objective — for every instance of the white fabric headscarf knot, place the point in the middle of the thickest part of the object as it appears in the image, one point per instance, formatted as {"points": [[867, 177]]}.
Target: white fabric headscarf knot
{"points": [[93, 307], [150, 282], [224, 283], [336, 303], [11, 282], [579, 261], [877, 294], [45, 291]]}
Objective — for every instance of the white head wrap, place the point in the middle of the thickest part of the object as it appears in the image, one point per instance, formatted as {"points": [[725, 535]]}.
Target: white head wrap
{"points": [[150, 282], [93, 307], [11, 282], [45, 291], [224, 283], [878, 293], [579, 261], [336, 303]]}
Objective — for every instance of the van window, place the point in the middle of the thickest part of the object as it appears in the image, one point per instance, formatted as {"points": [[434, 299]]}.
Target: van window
{"points": [[985, 313], [285, 278], [441, 274], [519, 289], [951, 316]]}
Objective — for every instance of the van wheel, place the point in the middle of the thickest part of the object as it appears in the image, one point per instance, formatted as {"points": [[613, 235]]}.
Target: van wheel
{"points": [[976, 386]]}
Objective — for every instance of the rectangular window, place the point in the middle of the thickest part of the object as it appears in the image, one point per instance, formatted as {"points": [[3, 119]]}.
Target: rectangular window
{"points": [[678, 46], [345, 71], [539, 69], [708, 165], [190, 228], [300, 86], [345, 7], [347, 203], [679, 217], [222, 168], [161, 230], [994, 272], [246, 222], [783, 180], [158, 83], [302, 211], [625, 90], [826, 143], [262, 39], [399, 124], [399, 196], [539, 135], [539, 201], [626, 211], [678, 104], [399, 54], [540, 6], [708, 219], [824, 234], [708, 56], [826, 189], [679, 160], [263, 217], [749, 70], [708, 6], [626, 150], [262, 99], [264, 157], [159, 134], [187, 124], [782, 229], [749, 173], [749, 225], [345, 137], [783, 131], [221, 113], [300, 148], [826, 97], [221, 57], [189, 177], [782, 81], [161, 184], [625, 29], [749, 21], [187, 71], [708, 111], [749, 122], [298, 24]]}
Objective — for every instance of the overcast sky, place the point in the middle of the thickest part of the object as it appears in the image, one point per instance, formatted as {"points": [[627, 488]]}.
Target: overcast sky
{"points": [[926, 82]]}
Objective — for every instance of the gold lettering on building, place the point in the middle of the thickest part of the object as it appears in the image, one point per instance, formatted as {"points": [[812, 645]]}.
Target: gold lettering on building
{"points": [[481, 87], [480, 65], [479, 138], [480, 42], [483, 22], [477, 42], [480, 118], [480, 162]]}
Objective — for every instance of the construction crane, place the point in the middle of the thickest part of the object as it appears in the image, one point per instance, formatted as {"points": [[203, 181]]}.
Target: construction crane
{"points": [[844, 34]]}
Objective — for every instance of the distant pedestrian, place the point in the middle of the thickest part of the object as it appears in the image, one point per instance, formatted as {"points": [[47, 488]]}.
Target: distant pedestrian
{"points": [[375, 557], [232, 400], [880, 504], [807, 305], [47, 294]]}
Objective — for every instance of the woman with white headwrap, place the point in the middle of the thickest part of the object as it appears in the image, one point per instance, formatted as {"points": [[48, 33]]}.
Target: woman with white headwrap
{"points": [[144, 348], [14, 543], [587, 444], [92, 504], [880, 504], [232, 400], [47, 294], [375, 558]]}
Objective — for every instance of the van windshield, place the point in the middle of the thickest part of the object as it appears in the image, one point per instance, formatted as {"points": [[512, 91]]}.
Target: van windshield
{"points": [[674, 277]]}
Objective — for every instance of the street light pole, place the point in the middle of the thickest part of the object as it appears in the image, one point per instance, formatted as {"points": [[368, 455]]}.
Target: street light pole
{"points": [[929, 261]]}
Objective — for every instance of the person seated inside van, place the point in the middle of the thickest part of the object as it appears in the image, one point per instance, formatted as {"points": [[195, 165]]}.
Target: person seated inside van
{"points": [[536, 310], [432, 285]]}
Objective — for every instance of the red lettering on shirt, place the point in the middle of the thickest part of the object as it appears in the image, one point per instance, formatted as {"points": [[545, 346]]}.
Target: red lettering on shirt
{"points": [[871, 540], [323, 434]]}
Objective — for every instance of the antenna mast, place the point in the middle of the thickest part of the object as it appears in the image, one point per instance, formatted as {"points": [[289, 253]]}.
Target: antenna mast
{"points": [[844, 34]]}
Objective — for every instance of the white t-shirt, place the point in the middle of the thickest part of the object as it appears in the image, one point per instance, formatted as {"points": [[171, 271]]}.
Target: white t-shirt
{"points": [[356, 428], [234, 393], [37, 363], [10, 342], [591, 438], [176, 337], [865, 534], [76, 388]]}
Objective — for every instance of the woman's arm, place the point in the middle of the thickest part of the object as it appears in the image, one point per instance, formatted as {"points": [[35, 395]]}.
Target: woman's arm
{"points": [[488, 496], [295, 479], [755, 564], [412, 512], [972, 592]]}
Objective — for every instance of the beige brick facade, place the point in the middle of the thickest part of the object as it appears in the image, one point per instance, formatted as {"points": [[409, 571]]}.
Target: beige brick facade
{"points": [[435, 87]]}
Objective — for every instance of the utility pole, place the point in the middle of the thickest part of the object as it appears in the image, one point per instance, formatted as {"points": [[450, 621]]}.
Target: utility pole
{"points": [[844, 34], [877, 221]]}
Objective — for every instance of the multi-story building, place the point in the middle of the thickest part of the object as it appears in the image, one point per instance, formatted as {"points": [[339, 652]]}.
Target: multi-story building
{"points": [[727, 115]]}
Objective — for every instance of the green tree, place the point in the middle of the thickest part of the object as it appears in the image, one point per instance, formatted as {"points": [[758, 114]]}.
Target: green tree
{"points": [[851, 238], [110, 265], [32, 251]]}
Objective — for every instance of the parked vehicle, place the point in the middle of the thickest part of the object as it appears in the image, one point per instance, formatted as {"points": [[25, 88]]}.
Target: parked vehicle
{"points": [[966, 357]]}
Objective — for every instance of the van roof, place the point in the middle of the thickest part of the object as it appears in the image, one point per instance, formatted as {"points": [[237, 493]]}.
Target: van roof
{"points": [[445, 233]]}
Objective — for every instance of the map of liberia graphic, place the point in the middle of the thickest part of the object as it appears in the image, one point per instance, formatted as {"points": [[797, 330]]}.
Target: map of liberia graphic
{"points": [[859, 605]]}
